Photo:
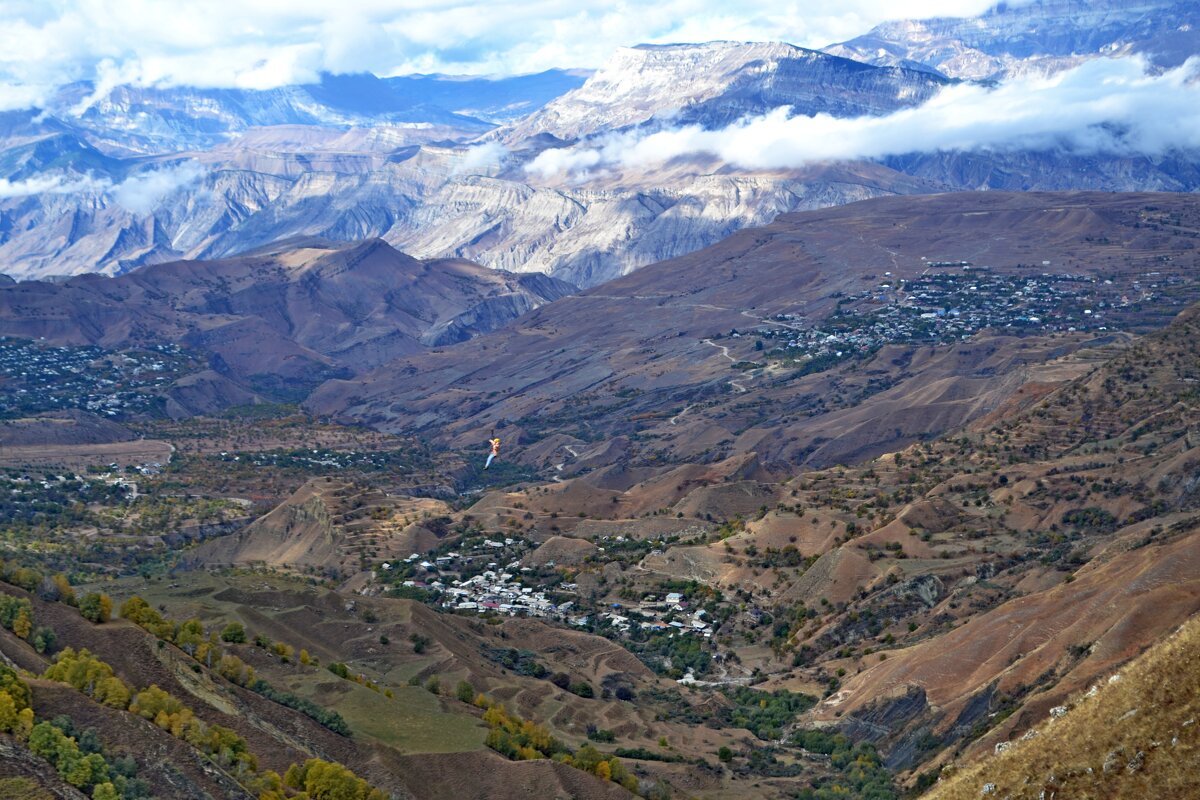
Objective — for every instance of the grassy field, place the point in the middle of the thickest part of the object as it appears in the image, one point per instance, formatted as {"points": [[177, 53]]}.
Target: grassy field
{"points": [[412, 722]]}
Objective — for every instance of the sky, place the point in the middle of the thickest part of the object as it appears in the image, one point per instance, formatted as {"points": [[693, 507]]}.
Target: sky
{"points": [[263, 44]]}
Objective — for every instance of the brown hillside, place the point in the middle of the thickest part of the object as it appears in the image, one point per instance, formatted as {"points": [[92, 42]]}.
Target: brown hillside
{"points": [[277, 321], [638, 355], [1133, 734]]}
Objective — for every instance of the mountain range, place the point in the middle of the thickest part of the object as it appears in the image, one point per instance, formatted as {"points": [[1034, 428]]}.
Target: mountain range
{"points": [[1038, 36], [855, 480], [275, 323], [138, 176]]}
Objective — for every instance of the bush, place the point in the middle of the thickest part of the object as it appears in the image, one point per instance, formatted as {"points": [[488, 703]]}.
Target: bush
{"points": [[330, 719], [12, 685], [600, 735], [79, 770], [16, 614], [88, 674], [234, 633], [96, 607], [43, 639], [325, 779], [464, 691]]}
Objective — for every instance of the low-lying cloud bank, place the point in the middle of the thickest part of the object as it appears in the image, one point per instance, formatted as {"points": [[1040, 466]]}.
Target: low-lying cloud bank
{"points": [[1111, 106], [140, 194]]}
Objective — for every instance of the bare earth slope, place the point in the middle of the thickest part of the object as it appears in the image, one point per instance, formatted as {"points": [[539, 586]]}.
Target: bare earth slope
{"points": [[279, 320], [1132, 735], [651, 353]]}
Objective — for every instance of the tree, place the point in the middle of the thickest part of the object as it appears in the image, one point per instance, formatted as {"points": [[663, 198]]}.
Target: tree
{"points": [[464, 691], [12, 685], [23, 624], [8, 712], [96, 607], [725, 754], [234, 633], [43, 639], [105, 791]]}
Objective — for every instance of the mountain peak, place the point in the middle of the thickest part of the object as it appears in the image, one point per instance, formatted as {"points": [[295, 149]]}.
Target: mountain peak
{"points": [[714, 83]]}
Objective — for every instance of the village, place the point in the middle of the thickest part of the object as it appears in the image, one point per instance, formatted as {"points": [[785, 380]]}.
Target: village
{"points": [[960, 300], [494, 575], [37, 378], [319, 459]]}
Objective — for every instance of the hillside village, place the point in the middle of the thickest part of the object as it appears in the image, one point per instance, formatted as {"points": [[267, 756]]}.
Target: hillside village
{"points": [[960, 299], [36, 377], [495, 575]]}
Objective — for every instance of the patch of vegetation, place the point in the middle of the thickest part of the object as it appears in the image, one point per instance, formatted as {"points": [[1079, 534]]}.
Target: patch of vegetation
{"points": [[642, 754], [520, 739], [327, 717], [765, 714], [522, 662], [673, 655], [860, 773]]}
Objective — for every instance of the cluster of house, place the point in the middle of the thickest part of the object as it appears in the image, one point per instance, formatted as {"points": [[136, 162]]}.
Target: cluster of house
{"points": [[671, 614], [946, 306], [76, 487], [496, 589], [38, 377]]}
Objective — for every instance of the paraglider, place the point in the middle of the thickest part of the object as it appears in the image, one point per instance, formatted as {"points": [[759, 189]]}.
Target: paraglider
{"points": [[495, 452]]}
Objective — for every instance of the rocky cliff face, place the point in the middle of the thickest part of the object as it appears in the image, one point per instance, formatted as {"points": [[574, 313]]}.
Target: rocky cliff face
{"points": [[357, 157], [1044, 35], [716, 83]]}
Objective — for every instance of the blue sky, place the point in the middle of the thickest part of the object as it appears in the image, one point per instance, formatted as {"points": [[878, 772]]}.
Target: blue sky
{"points": [[268, 43]]}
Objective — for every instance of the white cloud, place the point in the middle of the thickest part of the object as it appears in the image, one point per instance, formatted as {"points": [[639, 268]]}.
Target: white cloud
{"points": [[1101, 106], [51, 184], [482, 159], [141, 193], [268, 43]]}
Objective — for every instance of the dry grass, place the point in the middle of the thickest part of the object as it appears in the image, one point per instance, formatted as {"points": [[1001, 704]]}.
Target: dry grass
{"points": [[1135, 735]]}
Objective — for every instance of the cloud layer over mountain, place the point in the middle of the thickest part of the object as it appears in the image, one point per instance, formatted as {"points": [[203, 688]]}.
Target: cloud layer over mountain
{"points": [[140, 193], [262, 44], [1111, 106]]}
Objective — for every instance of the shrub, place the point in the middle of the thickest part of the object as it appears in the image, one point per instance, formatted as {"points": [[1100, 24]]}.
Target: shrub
{"points": [[43, 639], [234, 633], [96, 607]]}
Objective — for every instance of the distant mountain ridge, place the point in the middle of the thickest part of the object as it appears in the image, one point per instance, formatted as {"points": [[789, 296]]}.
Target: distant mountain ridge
{"points": [[280, 321], [1041, 35], [716, 83], [651, 358], [155, 120], [143, 176]]}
